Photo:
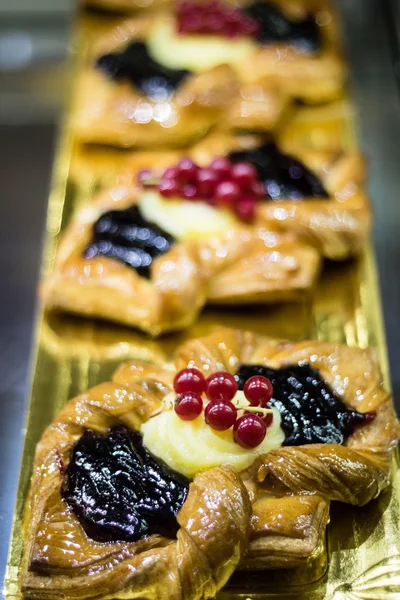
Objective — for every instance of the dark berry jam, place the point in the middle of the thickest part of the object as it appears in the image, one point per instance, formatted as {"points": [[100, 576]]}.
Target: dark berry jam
{"points": [[275, 26], [135, 65], [127, 236], [311, 412], [118, 491], [283, 176]]}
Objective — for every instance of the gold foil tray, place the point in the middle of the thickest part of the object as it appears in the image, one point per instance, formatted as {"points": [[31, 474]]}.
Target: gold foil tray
{"points": [[361, 559]]}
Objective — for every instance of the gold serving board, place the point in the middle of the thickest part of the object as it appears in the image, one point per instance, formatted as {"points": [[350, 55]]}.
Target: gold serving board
{"points": [[361, 559]]}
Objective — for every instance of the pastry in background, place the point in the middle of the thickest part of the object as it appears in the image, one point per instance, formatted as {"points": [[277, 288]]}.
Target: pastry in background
{"points": [[137, 257], [167, 78]]}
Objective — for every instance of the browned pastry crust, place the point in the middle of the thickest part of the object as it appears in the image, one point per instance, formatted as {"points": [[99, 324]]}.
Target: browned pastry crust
{"points": [[247, 264], [289, 488], [254, 95], [325, 128]]}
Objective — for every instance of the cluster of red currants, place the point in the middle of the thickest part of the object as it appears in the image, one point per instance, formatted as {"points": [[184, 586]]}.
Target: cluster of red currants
{"points": [[222, 183], [249, 430], [214, 18]]}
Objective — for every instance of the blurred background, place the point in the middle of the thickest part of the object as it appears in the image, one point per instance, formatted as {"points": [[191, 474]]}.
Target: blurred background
{"points": [[34, 82]]}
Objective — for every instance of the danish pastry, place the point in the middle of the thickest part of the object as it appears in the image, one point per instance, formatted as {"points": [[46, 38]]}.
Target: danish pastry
{"points": [[167, 78], [110, 481], [148, 257]]}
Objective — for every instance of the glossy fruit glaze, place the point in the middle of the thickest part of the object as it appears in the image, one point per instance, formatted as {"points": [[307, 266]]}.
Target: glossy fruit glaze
{"points": [[119, 491], [125, 235], [311, 412], [283, 176], [134, 64], [275, 26]]}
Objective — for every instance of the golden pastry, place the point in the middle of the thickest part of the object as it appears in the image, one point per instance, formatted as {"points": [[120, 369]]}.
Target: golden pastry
{"points": [[324, 128], [156, 79], [99, 486], [137, 257]]}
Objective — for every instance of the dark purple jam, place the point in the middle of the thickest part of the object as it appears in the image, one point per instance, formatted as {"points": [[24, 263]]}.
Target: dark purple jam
{"points": [[284, 177], [127, 236], [118, 491], [310, 410], [275, 26], [134, 64]]}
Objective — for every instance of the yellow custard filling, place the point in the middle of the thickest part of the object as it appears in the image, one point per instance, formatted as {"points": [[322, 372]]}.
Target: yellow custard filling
{"points": [[189, 447], [195, 52], [185, 219]]}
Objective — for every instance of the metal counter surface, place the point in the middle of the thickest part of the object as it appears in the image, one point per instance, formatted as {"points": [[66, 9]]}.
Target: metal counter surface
{"points": [[372, 54]]}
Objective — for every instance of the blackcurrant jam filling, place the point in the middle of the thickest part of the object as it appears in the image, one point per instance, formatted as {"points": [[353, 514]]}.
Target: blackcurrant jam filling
{"points": [[127, 236], [283, 176], [118, 491], [275, 26], [310, 410], [134, 64]]}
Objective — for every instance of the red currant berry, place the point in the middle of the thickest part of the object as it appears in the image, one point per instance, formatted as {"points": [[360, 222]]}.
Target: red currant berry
{"points": [[221, 386], [188, 406], [227, 193], [216, 23], [170, 173], [206, 182], [190, 380], [186, 171], [220, 415], [257, 189], [249, 26], [244, 173], [221, 166], [268, 418], [258, 390], [185, 6], [245, 208], [233, 16], [168, 188], [249, 431], [190, 22], [189, 191]]}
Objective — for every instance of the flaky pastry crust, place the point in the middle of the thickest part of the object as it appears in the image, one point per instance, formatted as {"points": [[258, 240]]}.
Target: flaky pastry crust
{"points": [[254, 95], [245, 265], [284, 510]]}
